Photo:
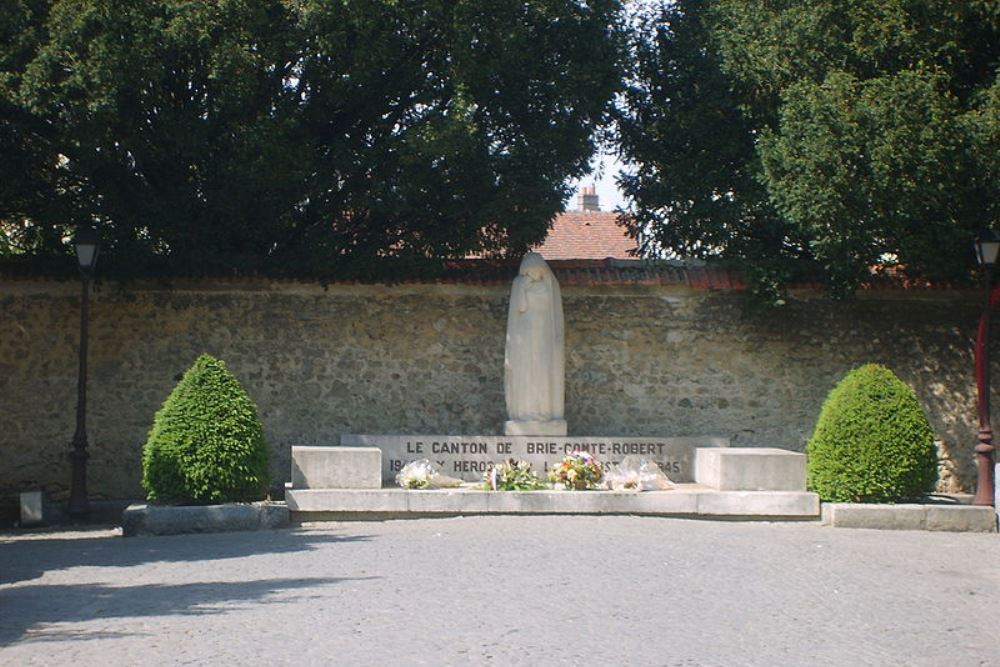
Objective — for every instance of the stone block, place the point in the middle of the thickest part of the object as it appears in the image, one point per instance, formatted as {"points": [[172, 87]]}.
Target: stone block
{"points": [[154, 520], [469, 456], [962, 518], [391, 501], [580, 502], [517, 502], [884, 517], [750, 469], [772, 504], [667, 503], [447, 501], [556, 427], [32, 508], [336, 468], [954, 518]]}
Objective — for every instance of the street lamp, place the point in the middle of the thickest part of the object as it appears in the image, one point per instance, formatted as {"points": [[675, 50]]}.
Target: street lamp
{"points": [[87, 245], [987, 247]]}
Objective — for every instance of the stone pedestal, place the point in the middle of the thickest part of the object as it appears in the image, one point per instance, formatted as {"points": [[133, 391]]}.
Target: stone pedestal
{"points": [[750, 469], [556, 427]]}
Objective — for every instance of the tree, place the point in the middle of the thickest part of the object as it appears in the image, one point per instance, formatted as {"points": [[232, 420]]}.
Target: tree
{"points": [[845, 134], [872, 441], [207, 443], [695, 187], [300, 137]]}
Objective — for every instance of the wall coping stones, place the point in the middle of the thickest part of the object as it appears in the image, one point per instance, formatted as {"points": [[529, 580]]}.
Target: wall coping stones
{"points": [[607, 277]]}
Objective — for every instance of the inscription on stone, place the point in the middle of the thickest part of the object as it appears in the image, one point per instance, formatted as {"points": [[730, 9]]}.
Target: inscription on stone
{"points": [[468, 457]]}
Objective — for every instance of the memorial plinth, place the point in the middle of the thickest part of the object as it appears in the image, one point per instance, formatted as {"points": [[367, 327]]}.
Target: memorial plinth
{"points": [[688, 500], [765, 491], [469, 456]]}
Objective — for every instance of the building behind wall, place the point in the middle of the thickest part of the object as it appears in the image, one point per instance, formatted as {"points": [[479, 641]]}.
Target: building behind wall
{"points": [[587, 233]]}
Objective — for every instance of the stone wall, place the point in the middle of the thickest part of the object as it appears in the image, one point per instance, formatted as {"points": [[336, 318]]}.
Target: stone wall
{"points": [[641, 360]]}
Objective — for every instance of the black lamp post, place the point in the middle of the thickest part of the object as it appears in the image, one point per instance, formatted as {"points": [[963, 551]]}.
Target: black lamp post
{"points": [[86, 243], [987, 247]]}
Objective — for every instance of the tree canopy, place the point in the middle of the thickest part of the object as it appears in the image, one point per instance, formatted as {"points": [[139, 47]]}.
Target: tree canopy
{"points": [[296, 137], [816, 136]]}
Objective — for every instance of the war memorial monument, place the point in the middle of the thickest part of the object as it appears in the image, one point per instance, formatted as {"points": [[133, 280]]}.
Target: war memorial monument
{"points": [[356, 478]]}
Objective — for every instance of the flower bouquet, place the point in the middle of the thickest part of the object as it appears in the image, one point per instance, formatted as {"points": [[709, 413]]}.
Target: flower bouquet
{"points": [[636, 474], [511, 475], [424, 474], [578, 470]]}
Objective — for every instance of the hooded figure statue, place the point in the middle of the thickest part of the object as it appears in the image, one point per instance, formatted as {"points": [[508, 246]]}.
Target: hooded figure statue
{"points": [[534, 359]]}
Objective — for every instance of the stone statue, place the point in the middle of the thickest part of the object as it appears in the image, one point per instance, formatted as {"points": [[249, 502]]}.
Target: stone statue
{"points": [[534, 360]]}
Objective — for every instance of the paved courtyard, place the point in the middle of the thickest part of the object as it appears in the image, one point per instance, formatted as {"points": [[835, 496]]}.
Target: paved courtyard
{"points": [[503, 590]]}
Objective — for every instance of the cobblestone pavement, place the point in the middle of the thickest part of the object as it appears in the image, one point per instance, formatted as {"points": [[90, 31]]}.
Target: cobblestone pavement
{"points": [[540, 590]]}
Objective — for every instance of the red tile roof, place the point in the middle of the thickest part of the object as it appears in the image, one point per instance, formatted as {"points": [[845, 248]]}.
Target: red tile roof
{"points": [[587, 235]]}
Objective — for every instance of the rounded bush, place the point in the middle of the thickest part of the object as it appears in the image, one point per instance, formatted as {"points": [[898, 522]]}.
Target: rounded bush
{"points": [[206, 444], [872, 442]]}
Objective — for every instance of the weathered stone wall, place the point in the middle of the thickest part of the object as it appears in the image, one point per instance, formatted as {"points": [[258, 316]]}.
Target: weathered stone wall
{"points": [[641, 360]]}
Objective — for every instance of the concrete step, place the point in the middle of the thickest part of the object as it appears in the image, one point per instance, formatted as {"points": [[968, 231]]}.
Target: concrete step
{"points": [[142, 519], [687, 500], [911, 516]]}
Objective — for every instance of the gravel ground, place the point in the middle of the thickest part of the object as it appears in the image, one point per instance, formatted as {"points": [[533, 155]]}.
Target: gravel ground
{"points": [[503, 590]]}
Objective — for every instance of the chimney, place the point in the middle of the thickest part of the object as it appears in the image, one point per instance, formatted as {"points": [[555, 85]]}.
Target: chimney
{"points": [[587, 199]]}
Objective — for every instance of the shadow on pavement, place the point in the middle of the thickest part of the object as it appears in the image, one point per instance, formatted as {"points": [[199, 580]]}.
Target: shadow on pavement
{"points": [[44, 605], [21, 560]]}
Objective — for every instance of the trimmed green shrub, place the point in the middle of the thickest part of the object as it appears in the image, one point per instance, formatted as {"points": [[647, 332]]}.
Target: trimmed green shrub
{"points": [[206, 444], [872, 442]]}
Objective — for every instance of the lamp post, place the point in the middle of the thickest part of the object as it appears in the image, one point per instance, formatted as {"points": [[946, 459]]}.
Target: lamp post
{"points": [[987, 247], [86, 243]]}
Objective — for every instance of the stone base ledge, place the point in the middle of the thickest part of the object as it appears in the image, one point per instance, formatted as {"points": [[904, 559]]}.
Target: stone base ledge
{"points": [[685, 501], [953, 518], [169, 520]]}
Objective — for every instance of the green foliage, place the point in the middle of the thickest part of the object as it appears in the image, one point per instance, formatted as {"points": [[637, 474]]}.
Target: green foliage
{"points": [[816, 137], [206, 444], [350, 139], [866, 167], [872, 442], [695, 187]]}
